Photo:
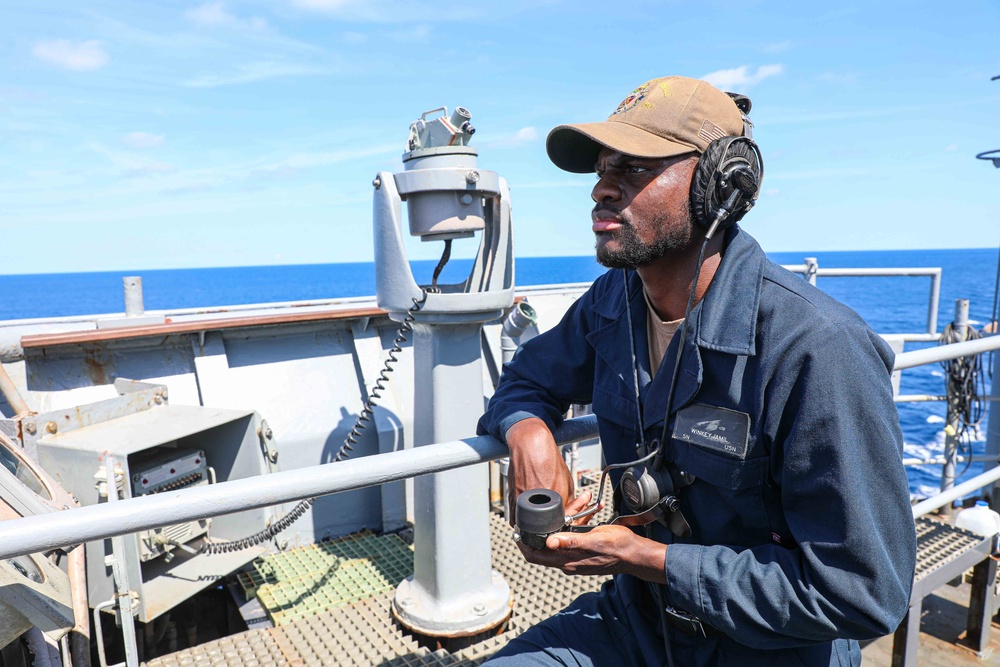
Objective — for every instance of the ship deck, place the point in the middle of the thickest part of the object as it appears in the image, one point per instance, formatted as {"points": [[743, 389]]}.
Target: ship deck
{"points": [[363, 632]]}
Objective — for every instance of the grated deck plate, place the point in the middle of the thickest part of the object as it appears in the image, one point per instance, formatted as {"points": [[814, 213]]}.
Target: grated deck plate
{"points": [[254, 648], [329, 574], [362, 632], [939, 543]]}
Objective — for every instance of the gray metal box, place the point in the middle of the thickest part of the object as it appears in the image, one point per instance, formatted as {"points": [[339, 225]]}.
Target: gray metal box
{"points": [[228, 438]]}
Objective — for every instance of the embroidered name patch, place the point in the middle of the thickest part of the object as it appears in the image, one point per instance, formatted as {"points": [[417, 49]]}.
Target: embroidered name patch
{"points": [[718, 429]]}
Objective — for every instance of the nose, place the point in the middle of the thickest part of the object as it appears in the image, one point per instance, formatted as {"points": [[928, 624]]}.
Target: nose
{"points": [[606, 189]]}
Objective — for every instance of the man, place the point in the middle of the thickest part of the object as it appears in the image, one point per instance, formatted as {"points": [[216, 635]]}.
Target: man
{"points": [[801, 538]]}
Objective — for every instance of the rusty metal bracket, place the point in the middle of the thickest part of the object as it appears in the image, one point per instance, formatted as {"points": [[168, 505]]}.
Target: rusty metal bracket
{"points": [[135, 397]]}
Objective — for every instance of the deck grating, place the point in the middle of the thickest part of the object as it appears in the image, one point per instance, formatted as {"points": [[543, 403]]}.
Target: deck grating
{"points": [[361, 631], [319, 577], [938, 543]]}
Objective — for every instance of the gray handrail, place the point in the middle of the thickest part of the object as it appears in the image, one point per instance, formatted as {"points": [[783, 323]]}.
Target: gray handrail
{"points": [[956, 492], [811, 270], [96, 522], [931, 355]]}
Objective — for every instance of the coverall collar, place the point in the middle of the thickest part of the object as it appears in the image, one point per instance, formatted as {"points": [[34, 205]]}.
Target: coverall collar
{"points": [[724, 321]]}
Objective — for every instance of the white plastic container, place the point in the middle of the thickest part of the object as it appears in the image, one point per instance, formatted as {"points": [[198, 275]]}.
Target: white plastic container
{"points": [[980, 519]]}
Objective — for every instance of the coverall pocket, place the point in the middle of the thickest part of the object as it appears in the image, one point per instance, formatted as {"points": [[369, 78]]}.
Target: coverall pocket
{"points": [[725, 503], [613, 407]]}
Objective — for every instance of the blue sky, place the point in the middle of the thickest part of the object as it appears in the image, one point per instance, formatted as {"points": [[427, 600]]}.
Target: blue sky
{"points": [[140, 135]]}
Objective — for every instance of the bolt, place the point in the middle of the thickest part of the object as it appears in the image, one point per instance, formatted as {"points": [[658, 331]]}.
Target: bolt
{"points": [[268, 434], [377, 183], [472, 177], [51, 427], [158, 399], [479, 609], [466, 199], [30, 428], [273, 455]]}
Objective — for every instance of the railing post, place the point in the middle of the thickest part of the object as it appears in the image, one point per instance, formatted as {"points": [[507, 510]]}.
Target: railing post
{"points": [[993, 431], [961, 325], [134, 305], [932, 306], [812, 268]]}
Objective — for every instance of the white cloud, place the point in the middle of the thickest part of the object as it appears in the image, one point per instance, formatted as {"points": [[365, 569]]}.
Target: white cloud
{"points": [[415, 34], [144, 140], [252, 72], [741, 78], [325, 5], [951, 148], [525, 135], [301, 161], [214, 14], [411, 12], [76, 56]]}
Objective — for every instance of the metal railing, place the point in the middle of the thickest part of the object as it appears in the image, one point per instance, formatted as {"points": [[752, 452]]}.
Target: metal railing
{"points": [[95, 522], [811, 270]]}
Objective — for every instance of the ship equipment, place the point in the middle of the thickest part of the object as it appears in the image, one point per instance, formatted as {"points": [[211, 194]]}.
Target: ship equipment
{"points": [[453, 593]]}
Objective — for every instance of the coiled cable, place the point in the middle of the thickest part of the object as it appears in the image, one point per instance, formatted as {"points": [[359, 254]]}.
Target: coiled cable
{"points": [[966, 387], [367, 412], [364, 417]]}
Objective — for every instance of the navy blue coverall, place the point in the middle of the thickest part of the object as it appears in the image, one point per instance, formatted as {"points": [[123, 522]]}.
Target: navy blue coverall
{"points": [[803, 540]]}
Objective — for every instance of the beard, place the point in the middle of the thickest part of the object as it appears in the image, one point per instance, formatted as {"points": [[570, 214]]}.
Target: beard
{"points": [[632, 252]]}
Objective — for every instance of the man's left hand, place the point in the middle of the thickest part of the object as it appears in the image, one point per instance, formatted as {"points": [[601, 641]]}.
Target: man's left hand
{"points": [[603, 550]]}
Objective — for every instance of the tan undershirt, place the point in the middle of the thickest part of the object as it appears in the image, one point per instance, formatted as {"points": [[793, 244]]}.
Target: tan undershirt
{"points": [[659, 334]]}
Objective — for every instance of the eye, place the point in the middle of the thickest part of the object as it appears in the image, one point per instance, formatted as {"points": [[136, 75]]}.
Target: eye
{"points": [[636, 169]]}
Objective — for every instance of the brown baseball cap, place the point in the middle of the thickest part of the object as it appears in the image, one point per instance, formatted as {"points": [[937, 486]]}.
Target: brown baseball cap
{"points": [[664, 117]]}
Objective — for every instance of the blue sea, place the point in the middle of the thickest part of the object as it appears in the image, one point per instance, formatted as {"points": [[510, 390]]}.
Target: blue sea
{"points": [[889, 304]]}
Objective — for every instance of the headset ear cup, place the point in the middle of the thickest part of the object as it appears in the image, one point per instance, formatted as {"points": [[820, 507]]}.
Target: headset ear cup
{"points": [[701, 205], [709, 191]]}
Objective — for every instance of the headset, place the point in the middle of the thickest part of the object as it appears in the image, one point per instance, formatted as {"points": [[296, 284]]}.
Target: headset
{"points": [[727, 180], [724, 187]]}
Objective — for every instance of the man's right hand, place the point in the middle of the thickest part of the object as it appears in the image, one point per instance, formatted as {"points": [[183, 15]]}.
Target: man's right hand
{"points": [[535, 463]]}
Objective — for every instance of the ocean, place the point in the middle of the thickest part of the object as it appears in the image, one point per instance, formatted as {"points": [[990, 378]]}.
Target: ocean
{"points": [[888, 304]]}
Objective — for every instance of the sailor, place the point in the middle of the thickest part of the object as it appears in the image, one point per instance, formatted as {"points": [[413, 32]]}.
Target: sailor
{"points": [[781, 447]]}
